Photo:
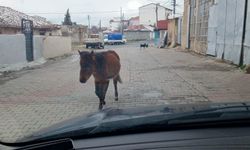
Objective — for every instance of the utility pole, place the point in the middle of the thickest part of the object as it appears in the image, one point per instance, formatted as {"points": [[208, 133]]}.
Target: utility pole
{"points": [[121, 21], [88, 24], [174, 6], [100, 25], [156, 14]]}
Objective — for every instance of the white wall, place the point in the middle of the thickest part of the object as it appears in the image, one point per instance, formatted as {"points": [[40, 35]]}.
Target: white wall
{"points": [[247, 38], [56, 46], [147, 14], [137, 35], [12, 49], [225, 30], [38, 46]]}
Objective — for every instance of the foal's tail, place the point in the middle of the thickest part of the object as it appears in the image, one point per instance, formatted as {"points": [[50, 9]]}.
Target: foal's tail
{"points": [[118, 77]]}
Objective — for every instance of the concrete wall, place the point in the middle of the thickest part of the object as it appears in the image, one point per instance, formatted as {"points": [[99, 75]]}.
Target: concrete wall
{"points": [[226, 30], [12, 49], [179, 30], [195, 25], [38, 46], [173, 31], [56, 46], [185, 25], [246, 59], [137, 35], [212, 31], [77, 33]]}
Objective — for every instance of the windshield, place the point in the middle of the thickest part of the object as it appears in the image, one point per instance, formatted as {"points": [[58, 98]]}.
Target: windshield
{"points": [[155, 53]]}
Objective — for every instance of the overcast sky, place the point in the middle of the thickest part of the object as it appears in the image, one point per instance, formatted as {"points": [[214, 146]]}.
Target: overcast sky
{"points": [[104, 10]]}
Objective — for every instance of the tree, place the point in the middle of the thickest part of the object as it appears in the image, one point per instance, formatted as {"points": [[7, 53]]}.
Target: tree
{"points": [[67, 19]]}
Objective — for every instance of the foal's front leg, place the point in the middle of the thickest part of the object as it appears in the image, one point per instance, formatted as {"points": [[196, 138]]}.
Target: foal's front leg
{"points": [[116, 91], [101, 90]]}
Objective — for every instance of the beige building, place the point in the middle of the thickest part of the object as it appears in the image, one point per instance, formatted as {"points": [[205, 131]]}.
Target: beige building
{"points": [[195, 25], [77, 33]]}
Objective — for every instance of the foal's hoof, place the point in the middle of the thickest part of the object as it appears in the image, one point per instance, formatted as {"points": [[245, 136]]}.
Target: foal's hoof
{"points": [[116, 98], [100, 107]]}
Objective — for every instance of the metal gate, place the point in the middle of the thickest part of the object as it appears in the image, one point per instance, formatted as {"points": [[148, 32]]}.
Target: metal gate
{"points": [[27, 29]]}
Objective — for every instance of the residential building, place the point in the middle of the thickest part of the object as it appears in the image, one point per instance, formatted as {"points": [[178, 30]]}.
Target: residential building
{"points": [[218, 28], [77, 32], [134, 21], [151, 13], [115, 24]]}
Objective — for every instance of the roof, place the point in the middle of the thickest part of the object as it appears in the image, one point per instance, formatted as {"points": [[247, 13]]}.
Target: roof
{"points": [[137, 28], [12, 18], [155, 4], [134, 18], [162, 25]]}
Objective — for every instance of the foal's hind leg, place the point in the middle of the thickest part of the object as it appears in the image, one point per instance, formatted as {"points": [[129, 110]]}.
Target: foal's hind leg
{"points": [[116, 91]]}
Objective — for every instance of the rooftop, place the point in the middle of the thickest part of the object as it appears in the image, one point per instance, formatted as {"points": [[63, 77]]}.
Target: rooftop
{"points": [[12, 18]]}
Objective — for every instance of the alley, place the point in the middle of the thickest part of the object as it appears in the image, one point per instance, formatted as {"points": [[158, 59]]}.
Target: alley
{"points": [[43, 96]]}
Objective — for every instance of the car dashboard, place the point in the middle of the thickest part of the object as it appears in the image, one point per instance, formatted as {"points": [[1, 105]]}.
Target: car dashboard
{"points": [[210, 138]]}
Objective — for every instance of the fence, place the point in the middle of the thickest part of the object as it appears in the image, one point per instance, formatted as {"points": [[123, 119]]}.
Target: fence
{"points": [[13, 50]]}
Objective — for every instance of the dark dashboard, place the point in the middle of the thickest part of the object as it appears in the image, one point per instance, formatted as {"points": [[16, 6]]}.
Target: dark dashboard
{"points": [[213, 138]]}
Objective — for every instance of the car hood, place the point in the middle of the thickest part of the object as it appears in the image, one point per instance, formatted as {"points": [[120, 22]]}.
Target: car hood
{"points": [[111, 119]]}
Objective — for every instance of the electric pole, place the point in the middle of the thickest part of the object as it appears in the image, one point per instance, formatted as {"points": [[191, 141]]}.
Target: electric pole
{"points": [[88, 24], [121, 21], [156, 14], [100, 25], [174, 6]]}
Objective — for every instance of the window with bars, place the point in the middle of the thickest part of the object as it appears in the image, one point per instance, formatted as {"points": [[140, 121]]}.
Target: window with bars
{"points": [[192, 18], [202, 20]]}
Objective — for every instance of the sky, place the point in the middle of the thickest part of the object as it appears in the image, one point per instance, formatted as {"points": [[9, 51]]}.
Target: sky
{"points": [[104, 10]]}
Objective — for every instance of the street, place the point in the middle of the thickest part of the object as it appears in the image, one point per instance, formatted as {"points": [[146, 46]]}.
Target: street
{"points": [[36, 98]]}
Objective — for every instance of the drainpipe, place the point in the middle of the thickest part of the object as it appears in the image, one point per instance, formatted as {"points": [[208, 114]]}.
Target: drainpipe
{"points": [[243, 35]]}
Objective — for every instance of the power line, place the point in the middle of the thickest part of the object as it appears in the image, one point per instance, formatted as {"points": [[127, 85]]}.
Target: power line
{"points": [[86, 12]]}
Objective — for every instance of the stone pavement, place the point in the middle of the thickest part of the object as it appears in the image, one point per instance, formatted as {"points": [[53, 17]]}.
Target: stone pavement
{"points": [[33, 99]]}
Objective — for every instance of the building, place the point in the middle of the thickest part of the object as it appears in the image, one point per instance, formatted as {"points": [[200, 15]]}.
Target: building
{"points": [[115, 24], [151, 13], [160, 33], [196, 13], [10, 23], [218, 28], [77, 32], [174, 31], [134, 21]]}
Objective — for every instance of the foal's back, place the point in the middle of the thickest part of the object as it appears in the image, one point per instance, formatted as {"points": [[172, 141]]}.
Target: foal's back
{"points": [[107, 65]]}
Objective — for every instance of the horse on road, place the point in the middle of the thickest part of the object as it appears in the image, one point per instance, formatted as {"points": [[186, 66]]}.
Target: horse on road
{"points": [[103, 66]]}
